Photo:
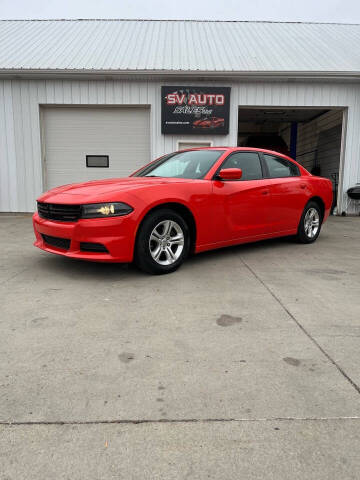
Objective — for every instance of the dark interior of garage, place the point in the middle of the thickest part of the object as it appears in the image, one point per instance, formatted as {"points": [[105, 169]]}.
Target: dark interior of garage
{"points": [[310, 136]]}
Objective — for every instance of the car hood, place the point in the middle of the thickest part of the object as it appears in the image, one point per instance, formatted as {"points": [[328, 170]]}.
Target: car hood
{"points": [[103, 190]]}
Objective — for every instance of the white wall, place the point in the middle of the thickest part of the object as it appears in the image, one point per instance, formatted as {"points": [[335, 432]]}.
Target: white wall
{"points": [[20, 142]]}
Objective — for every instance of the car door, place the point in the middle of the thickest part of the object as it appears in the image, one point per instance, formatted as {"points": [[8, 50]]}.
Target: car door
{"points": [[241, 206], [288, 193]]}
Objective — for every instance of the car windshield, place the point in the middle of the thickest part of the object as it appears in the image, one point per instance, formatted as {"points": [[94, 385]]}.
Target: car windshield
{"points": [[193, 164]]}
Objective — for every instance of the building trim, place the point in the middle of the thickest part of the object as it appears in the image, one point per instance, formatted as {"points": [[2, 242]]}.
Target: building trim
{"points": [[24, 73]]}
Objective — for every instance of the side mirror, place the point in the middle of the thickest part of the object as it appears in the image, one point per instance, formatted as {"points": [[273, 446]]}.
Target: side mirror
{"points": [[230, 174]]}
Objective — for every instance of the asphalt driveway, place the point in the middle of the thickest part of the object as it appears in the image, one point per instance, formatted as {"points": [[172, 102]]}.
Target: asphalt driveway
{"points": [[244, 364]]}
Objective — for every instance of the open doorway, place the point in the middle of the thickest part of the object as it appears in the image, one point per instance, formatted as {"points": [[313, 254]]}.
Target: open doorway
{"points": [[312, 136]]}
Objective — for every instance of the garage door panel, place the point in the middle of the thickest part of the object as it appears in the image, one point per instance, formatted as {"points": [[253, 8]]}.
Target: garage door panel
{"points": [[71, 133]]}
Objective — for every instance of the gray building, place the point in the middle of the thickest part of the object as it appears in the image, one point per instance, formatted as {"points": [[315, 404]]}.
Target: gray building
{"points": [[76, 93]]}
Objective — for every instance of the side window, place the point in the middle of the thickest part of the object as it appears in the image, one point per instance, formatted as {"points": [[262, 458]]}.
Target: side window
{"points": [[249, 162], [280, 167]]}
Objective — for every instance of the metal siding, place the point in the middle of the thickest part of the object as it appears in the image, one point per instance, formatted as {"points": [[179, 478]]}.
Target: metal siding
{"points": [[20, 156], [4, 162], [351, 167], [143, 45]]}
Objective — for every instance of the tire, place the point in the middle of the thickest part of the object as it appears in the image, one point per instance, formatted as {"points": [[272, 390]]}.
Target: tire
{"points": [[163, 242], [310, 223]]}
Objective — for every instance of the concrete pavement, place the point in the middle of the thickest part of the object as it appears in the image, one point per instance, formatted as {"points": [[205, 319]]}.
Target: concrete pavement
{"points": [[243, 364]]}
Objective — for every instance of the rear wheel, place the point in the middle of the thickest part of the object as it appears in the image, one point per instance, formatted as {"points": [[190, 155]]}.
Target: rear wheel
{"points": [[310, 223], [163, 242]]}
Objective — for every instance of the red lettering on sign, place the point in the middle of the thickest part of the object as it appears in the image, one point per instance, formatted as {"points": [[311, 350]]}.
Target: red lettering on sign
{"points": [[195, 99], [192, 99], [175, 99], [211, 98], [220, 99], [201, 99]]}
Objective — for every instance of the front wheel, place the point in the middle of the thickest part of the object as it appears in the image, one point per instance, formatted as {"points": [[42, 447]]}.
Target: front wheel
{"points": [[163, 242], [310, 223]]}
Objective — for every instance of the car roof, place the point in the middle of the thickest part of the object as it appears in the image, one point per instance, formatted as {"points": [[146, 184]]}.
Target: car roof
{"points": [[245, 149], [236, 149]]}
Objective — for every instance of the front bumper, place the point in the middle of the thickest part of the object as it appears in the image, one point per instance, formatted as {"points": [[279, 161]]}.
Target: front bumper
{"points": [[117, 234]]}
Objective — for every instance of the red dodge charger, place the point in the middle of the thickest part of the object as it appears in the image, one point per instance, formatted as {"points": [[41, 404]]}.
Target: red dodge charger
{"points": [[209, 122], [188, 201]]}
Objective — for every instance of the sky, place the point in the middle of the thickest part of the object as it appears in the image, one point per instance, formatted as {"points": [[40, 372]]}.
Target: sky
{"points": [[333, 11]]}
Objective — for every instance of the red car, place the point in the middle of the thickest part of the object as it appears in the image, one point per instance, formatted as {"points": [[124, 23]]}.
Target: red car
{"points": [[188, 201], [209, 122]]}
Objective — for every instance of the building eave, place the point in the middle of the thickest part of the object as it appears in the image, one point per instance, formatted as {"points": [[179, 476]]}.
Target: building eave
{"points": [[14, 73]]}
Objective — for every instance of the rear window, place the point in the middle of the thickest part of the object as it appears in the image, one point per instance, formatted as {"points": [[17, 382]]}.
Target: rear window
{"points": [[280, 167]]}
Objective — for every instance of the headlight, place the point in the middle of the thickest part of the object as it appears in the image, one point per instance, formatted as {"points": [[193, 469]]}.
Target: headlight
{"points": [[101, 210]]}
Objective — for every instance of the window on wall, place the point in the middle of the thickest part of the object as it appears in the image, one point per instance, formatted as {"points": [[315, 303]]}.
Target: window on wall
{"points": [[249, 162], [97, 161], [280, 167], [184, 145]]}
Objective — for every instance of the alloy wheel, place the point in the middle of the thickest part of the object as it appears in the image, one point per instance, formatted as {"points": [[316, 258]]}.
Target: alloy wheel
{"points": [[311, 222], [166, 242]]}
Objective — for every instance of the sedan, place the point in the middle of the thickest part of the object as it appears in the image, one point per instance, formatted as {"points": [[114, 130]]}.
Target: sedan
{"points": [[209, 122], [182, 203]]}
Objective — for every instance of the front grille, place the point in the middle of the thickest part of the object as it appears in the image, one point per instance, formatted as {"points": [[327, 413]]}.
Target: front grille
{"points": [[58, 242], [93, 247], [61, 213]]}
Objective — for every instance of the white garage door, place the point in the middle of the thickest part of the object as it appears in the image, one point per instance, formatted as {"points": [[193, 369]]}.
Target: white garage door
{"points": [[76, 139]]}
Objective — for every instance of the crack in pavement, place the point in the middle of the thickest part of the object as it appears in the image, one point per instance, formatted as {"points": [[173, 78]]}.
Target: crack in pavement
{"points": [[180, 420], [7, 280], [302, 328]]}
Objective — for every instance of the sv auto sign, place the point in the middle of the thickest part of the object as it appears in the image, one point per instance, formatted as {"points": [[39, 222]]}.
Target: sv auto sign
{"points": [[195, 110]]}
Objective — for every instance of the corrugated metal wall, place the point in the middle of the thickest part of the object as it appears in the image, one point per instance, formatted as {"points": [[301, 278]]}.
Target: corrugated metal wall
{"points": [[20, 140]]}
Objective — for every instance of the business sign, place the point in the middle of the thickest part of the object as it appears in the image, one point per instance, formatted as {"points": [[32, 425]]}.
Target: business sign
{"points": [[195, 110]]}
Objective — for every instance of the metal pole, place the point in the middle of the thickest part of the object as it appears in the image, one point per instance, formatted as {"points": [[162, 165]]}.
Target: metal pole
{"points": [[293, 139]]}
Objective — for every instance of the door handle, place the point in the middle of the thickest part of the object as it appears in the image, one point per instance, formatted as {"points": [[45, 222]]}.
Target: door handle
{"points": [[265, 192]]}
